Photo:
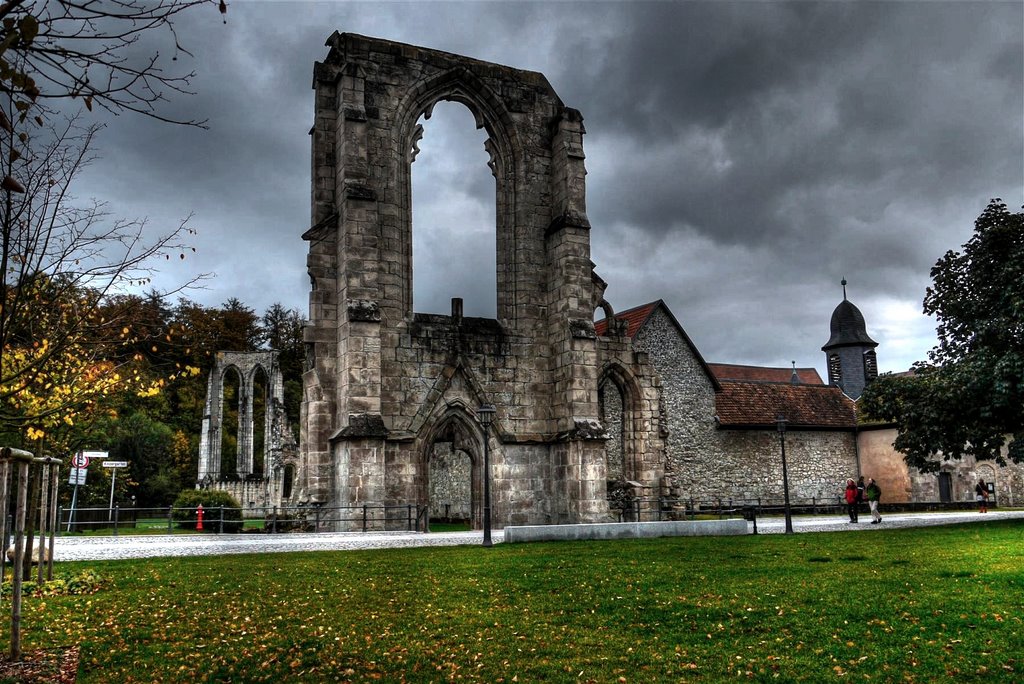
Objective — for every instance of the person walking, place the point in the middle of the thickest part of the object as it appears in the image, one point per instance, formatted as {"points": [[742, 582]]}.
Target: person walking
{"points": [[981, 495], [851, 495], [874, 494]]}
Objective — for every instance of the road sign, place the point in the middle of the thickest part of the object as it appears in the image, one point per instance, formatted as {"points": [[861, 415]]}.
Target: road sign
{"points": [[98, 455], [77, 476], [80, 460], [115, 464]]}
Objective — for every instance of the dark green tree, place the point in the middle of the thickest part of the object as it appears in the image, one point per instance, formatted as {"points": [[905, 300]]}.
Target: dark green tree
{"points": [[146, 445], [970, 397], [283, 329]]}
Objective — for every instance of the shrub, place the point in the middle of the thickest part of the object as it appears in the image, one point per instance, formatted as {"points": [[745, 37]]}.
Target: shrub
{"points": [[212, 500]]}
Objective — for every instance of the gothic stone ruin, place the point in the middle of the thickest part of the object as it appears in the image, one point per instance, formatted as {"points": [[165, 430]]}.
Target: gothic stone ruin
{"points": [[389, 392], [255, 480], [589, 417]]}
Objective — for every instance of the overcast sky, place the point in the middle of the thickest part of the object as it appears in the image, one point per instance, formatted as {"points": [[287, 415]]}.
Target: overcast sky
{"points": [[742, 158]]}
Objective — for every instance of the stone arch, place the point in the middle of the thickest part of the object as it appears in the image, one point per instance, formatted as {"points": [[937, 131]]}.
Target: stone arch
{"points": [[232, 379], [259, 397], [989, 473], [247, 365], [460, 85], [628, 431], [457, 426], [373, 389]]}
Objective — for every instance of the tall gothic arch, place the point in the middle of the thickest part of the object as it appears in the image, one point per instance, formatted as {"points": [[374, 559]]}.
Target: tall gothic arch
{"points": [[375, 367]]}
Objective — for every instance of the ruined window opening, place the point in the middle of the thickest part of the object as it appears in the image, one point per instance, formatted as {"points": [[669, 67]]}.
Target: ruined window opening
{"points": [[260, 392], [454, 215], [229, 424], [289, 479]]}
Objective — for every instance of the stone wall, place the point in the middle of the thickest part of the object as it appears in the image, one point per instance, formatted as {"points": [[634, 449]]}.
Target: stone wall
{"points": [[611, 417], [450, 484], [704, 462]]}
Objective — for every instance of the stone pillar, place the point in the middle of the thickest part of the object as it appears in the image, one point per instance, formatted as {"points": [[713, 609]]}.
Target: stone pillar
{"points": [[243, 465], [571, 283]]}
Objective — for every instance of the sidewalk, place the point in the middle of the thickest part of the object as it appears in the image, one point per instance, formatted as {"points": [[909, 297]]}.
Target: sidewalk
{"points": [[154, 546], [841, 523]]}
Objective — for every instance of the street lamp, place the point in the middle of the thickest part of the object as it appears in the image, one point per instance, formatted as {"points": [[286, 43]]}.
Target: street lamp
{"points": [[485, 414], [780, 422]]}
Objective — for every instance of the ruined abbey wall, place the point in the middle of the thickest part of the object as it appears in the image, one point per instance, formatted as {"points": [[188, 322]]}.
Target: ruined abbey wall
{"points": [[384, 383]]}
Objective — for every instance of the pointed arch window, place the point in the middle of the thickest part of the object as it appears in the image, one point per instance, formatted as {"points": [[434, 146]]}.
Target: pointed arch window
{"points": [[453, 214]]}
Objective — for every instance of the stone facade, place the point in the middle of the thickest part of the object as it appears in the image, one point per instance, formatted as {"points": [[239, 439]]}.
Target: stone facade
{"points": [[384, 384]]}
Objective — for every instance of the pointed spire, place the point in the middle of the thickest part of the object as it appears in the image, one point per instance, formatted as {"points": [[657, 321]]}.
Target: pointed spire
{"points": [[844, 289], [794, 378]]}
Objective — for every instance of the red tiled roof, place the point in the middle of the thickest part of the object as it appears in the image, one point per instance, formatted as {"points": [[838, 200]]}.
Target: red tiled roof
{"points": [[634, 318], [757, 404], [731, 371]]}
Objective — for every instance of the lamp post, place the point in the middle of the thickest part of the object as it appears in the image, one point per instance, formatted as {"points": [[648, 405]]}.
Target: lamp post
{"points": [[780, 422], [485, 414]]}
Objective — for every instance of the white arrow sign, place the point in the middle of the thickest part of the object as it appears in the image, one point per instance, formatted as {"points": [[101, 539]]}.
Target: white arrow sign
{"points": [[98, 455], [115, 464]]}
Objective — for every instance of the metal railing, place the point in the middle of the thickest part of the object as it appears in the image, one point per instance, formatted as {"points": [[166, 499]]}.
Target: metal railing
{"points": [[232, 520], [415, 518], [646, 509]]}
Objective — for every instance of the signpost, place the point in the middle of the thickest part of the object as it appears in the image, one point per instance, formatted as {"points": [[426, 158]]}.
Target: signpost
{"points": [[79, 469], [113, 478], [96, 455]]}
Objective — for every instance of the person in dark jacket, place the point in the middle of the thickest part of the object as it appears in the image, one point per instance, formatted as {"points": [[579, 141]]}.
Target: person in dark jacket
{"points": [[981, 495], [874, 494], [852, 499]]}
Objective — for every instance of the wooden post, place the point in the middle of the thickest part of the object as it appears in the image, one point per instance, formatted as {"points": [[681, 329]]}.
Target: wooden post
{"points": [[44, 509], [5, 496], [54, 519], [29, 529], [19, 550]]}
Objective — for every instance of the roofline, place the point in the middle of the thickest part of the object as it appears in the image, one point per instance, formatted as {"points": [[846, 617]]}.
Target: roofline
{"points": [[693, 348], [789, 427]]}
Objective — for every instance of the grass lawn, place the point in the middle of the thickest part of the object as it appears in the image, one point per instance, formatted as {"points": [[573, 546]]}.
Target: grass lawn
{"points": [[912, 605]]}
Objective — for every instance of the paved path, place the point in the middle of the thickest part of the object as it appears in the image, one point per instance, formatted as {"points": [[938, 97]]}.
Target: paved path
{"points": [[150, 546], [841, 523]]}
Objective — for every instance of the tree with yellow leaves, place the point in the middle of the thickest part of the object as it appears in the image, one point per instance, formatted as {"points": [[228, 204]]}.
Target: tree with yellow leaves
{"points": [[65, 269]]}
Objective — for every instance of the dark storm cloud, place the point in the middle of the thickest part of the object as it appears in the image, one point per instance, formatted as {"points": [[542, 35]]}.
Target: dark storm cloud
{"points": [[742, 157]]}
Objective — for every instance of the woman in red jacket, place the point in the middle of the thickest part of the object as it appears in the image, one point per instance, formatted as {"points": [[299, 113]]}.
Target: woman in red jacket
{"points": [[852, 496]]}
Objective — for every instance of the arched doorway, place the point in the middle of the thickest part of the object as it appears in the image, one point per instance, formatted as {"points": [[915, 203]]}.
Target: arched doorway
{"points": [[454, 476]]}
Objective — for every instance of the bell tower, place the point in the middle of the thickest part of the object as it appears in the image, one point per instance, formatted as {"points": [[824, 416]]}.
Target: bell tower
{"points": [[850, 352]]}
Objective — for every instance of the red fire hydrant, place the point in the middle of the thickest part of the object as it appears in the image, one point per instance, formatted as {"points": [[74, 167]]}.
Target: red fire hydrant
{"points": [[199, 517]]}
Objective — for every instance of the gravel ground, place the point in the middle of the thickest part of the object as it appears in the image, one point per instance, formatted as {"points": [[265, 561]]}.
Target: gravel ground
{"points": [[150, 546]]}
